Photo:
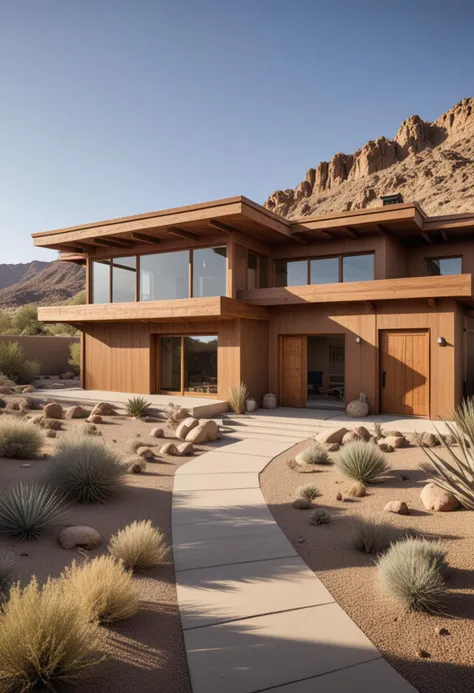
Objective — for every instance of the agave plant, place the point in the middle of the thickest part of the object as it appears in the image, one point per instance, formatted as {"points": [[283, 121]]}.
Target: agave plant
{"points": [[238, 396], [456, 474], [137, 406], [362, 461], [28, 508]]}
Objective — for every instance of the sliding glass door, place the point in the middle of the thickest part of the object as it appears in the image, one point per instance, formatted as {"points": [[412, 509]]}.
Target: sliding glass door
{"points": [[188, 365]]}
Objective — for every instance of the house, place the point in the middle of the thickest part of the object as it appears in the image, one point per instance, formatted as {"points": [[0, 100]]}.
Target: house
{"points": [[189, 301]]}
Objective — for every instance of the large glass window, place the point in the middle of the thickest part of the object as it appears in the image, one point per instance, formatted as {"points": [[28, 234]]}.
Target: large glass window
{"points": [[291, 273], [444, 265], [164, 276], [170, 364], [209, 272], [324, 270], [200, 365], [357, 268], [124, 279], [101, 281]]}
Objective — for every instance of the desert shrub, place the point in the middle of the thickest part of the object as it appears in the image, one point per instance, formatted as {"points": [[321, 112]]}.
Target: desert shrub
{"points": [[136, 443], [135, 464], [49, 424], [79, 299], [75, 357], [88, 429], [6, 574], [59, 329], [5, 322], [411, 574], [319, 517], [104, 588], [25, 320], [175, 414], [86, 470], [378, 431], [139, 545], [45, 640], [314, 454], [28, 508], [456, 473], [19, 439], [137, 406], [361, 461], [238, 396], [371, 536], [307, 491], [15, 365], [5, 381]]}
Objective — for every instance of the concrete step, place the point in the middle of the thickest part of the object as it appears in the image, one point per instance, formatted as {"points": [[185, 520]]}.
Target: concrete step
{"points": [[268, 434], [272, 421]]}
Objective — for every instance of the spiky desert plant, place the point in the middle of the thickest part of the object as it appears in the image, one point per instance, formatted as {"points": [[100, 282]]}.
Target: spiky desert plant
{"points": [[319, 517], [378, 431], [28, 508], [19, 439], [456, 473], [135, 464], [237, 397], [139, 545], [308, 491], [314, 454], [86, 469], [137, 406], [104, 588], [6, 574], [411, 574], [371, 536], [361, 461], [45, 640]]}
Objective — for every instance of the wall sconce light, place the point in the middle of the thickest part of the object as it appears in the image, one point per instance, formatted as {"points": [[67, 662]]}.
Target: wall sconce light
{"points": [[442, 341], [358, 340]]}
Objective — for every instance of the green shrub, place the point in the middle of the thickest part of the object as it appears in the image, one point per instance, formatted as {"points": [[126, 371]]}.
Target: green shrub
{"points": [[238, 396], [103, 588], [79, 299], [45, 640], [29, 508], [15, 365], [361, 461], [411, 574], [86, 470], [308, 491], [137, 406], [75, 357], [25, 320], [5, 322], [59, 329], [19, 439], [314, 454], [139, 545], [371, 536], [319, 517]]}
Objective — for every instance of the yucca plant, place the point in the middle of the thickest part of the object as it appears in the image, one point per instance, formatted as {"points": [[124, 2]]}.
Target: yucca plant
{"points": [[86, 469], [19, 439], [139, 545], [411, 573], [361, 461], [371, 536], [137, 406], [314, 454], [456, 473], [29, 508], [308, 491], [237, 397]]}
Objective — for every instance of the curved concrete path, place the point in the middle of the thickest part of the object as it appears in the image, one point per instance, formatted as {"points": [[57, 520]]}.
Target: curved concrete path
{"points": [[255, 617]]}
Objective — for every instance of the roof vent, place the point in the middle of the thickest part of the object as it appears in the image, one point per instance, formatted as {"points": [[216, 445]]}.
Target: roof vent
{"points": [[392, 199]]}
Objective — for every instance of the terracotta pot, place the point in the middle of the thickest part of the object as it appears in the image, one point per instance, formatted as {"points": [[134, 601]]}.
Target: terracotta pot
{"points": [[269, 401]]}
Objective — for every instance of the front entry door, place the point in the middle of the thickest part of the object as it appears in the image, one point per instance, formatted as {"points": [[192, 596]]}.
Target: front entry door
{"points": [[404, 372], [293, 375]]}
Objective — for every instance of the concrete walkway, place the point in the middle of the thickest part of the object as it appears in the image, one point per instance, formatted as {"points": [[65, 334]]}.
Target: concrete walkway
{"points": [[255, 617]]}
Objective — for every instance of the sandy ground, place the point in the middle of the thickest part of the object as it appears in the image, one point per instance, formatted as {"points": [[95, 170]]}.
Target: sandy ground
{"points": [[351, 576], [145, 653]]}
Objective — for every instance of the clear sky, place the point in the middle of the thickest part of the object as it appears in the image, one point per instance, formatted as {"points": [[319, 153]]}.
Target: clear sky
{"points": [[116, 107]]}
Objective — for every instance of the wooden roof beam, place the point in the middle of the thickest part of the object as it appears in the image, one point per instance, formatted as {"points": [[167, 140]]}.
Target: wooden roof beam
{"points": [[181, 233], [143, 238], [219, 226], [112, 243], [297, 237], [351, 231], [444, 235], [426, 237]]}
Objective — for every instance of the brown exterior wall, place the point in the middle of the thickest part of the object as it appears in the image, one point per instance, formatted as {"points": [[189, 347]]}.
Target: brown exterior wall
{"points": [[51, 352]]}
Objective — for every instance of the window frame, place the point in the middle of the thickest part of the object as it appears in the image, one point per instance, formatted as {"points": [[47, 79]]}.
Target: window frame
{"points": [[183, 392], [443, 257], [340, 257]]}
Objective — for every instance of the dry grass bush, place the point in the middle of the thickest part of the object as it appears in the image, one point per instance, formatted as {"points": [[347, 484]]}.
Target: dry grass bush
{"points": [[137, 443], [139, 545], [5, 381], [45, 640], [175, 414], [237, 397], [371, 536], [88, 429], [135, 464], [301, 468], [19, 439], [49, 424], [86, 469], [319, 517], [104, 589], [361, 461], [307, 491], [28, 508], [6, 575], [15, 365], [411, 573], [314, 454]]}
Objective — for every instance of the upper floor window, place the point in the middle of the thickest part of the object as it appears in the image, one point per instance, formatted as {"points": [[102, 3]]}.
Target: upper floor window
{"points": [[124, 279], [101, 281], [257, 271], [443, 265], [358, 268], [209, 272], [164, 276], [291, 272], [325, 270]]}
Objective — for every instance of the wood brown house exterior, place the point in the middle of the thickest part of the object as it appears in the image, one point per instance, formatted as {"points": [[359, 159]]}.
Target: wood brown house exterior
{"points": [[317, 310]]}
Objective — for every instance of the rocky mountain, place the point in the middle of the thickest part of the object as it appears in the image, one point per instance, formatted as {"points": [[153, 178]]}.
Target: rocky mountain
{"points": [[11, 274], [52, 283], [432, 163]]}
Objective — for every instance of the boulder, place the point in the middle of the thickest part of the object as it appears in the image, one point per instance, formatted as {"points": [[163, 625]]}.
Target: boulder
{"points": [[50, 433], [363, 433], [57, 386], [395, 441], [85, 537], [185, 427], [350, 437], [358, 408], [53, 410], [94, 419], [429, 440], [449, 439], [331, 435], [77, 412], [157, 433], [396, 434], [185, 449], [385, 447], [332, 447], [104, 409], [206, 431], [169, 449], [28, 388], [301, 504], [357, 489], [436, 498], [146, 453], [397, 507]]}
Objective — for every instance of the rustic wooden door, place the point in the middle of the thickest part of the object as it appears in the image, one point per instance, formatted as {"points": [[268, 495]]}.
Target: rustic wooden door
{"points": [[404, 372], [293, 372]]}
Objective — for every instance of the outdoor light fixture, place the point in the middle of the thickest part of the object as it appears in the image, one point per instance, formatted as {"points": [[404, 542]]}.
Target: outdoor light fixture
{"points": [[441, 341], [358, 340]]}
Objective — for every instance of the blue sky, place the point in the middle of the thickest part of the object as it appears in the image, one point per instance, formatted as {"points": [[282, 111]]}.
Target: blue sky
{"points": [[116, 107]]}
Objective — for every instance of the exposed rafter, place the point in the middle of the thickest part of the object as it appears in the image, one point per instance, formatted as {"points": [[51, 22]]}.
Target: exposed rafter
{"points": [[112, 243], [426, 237], [352, 232], [219, 226], [432, 303], [181, 233], [444, 235], [143, 238], [297, 237]]}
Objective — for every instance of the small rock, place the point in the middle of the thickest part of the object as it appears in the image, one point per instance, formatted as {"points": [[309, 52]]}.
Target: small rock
{"points": [[397, 507], [157, 433], [185, 427], [53, 410], [331, 435], [429, 440], [26, 466], [439, 630], [77, 412], [395, 441], [363, 433], [94, 419], [206, 431], [339, 496], [404, 477], [449, 440], [350, 437], [169, 449], [301, 504], [301, 540], [83, 536], [51, 433], [435, 498], [332, 447], [385, 447], [422, 654], [29, 388], [185, 449], [357, 489], [105, 409], [146, 453], [57, 386], [23, 554]]}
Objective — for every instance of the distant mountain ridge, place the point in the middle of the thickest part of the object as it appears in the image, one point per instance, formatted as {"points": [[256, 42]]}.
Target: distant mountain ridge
{"points": [[12, 274], [42, 283]]}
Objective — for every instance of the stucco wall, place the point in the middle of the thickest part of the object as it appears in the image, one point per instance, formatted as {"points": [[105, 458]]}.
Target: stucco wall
{"points": [[51, 352]]}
